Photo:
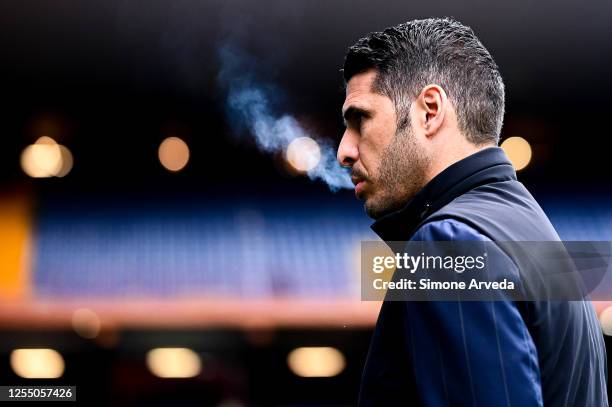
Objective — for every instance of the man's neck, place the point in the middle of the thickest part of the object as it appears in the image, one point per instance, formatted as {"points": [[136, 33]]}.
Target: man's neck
{"points": [[451, 155]]}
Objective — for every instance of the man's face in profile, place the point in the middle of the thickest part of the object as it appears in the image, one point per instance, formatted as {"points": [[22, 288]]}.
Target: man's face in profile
{"points": [[388, 165]]}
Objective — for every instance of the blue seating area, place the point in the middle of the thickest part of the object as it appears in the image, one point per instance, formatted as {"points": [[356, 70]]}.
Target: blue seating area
{"points": [[271, 249]]}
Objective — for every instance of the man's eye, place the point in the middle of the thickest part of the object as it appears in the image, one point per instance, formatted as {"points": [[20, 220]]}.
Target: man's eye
{"points": [[358, 120], [355, 119]]}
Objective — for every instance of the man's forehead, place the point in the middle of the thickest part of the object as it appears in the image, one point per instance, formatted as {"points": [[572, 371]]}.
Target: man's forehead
{"points": [[361, 82], [359, 88]]}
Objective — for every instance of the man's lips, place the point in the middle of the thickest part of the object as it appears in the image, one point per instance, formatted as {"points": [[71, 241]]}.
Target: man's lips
{"points": [[359, 184], [359, 187]]}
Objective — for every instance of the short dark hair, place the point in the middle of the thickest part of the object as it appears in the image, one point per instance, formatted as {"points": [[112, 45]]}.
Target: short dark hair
{"points": [[443, 51]]}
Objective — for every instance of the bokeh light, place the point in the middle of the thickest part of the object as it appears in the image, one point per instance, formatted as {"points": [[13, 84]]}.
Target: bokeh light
{"points": [[518, 151], [174, 362], [605, 319], [86, 323], [45, 158], [316, 361], [42, 159], [67, 162], [37, 363], [173, 154], [303, 154]]}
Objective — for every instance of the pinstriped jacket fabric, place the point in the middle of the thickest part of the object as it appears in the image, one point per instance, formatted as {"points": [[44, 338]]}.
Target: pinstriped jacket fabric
{"points": [[484, 353]]}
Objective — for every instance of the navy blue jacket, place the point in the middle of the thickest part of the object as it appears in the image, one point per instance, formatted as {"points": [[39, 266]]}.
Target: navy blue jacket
{"points": [[484, 353]]}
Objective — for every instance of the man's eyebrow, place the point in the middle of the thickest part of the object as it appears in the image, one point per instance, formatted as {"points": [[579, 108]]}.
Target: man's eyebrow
{"points": [[351, 112]]}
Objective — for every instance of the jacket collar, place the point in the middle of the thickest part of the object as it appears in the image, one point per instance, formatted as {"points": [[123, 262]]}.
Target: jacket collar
{"points": [[483, 167]]}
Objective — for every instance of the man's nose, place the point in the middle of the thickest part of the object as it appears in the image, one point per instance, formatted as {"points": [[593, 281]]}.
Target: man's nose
{"points": [[348, 153]]}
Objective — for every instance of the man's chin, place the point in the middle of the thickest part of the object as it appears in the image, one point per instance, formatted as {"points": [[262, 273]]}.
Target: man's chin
{"points": [[374, 210], [377, 208]]}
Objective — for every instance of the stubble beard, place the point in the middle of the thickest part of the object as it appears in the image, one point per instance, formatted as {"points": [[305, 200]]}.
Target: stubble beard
{"points": [[401, 174]]}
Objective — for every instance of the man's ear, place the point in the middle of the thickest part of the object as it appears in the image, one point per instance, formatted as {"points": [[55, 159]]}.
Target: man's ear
{"points": [[431, 104]]}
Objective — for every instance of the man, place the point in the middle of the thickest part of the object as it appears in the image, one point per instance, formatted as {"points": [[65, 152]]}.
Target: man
{"points": [[424, 109]]}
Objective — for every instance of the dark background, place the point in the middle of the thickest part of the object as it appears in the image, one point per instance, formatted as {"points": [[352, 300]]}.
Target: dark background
{"points": [[113, 79]]}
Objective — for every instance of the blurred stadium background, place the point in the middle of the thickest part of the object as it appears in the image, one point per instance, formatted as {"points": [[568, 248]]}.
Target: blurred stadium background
{"points": [[151, 256]]}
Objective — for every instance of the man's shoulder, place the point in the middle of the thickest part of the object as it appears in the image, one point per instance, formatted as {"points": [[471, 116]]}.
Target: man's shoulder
{"points": [[447, 229], [501, 211]]}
